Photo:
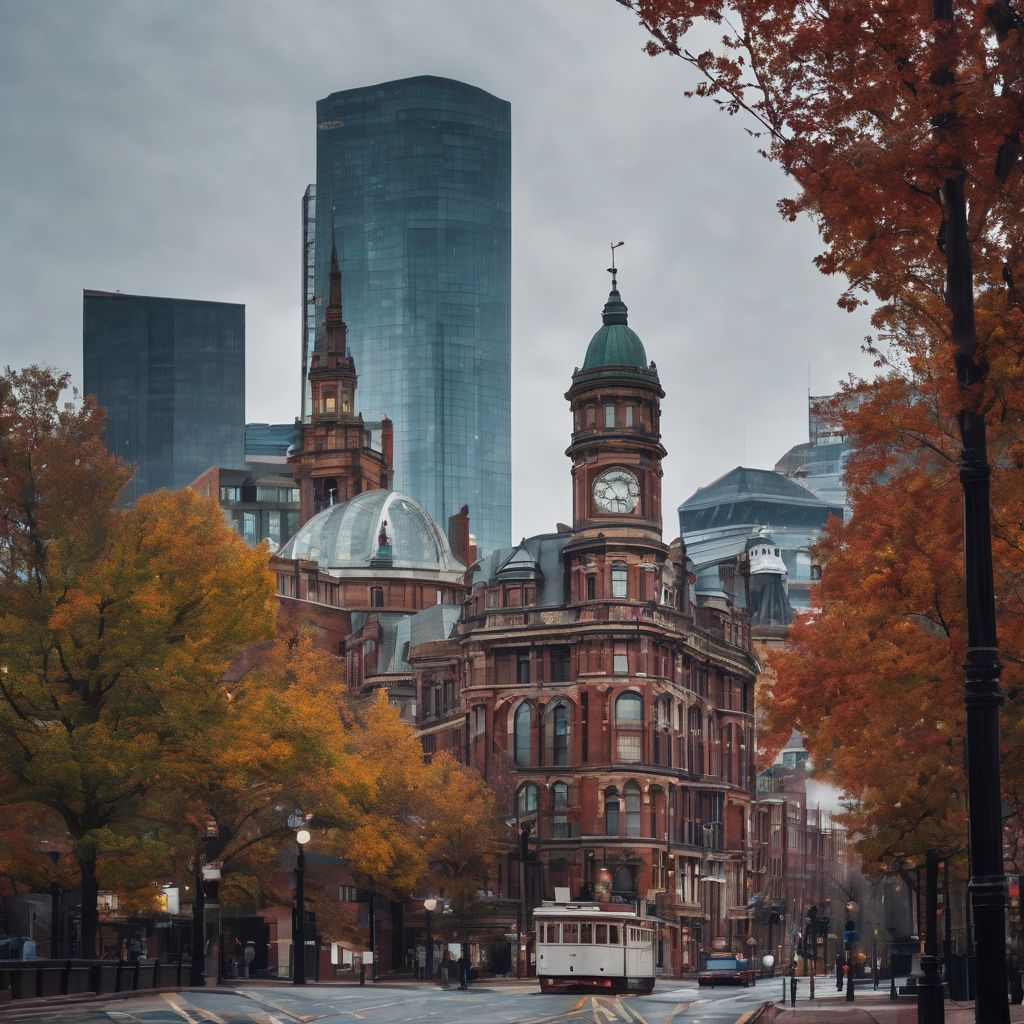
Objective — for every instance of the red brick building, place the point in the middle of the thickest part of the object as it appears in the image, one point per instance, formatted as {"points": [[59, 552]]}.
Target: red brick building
{"points": [[582, 682]]}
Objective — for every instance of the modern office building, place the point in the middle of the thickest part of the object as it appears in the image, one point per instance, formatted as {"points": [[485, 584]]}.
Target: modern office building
{"points": [[413, 182], [820, 462], [171, 375]]}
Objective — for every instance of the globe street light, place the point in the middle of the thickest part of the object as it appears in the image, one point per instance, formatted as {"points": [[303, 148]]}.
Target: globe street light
{"points": [[299, 973], [430, 905]]}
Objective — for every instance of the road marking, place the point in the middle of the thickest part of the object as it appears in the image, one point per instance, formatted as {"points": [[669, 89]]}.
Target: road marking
{"points": [[604, 1011], [629, 1011], [263, 1001], [676, 1010], [175, 1004]]}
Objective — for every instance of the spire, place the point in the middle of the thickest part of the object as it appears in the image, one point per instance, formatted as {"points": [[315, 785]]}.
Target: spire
{"points": [[614, 309], [335, 294], [335, 331]]}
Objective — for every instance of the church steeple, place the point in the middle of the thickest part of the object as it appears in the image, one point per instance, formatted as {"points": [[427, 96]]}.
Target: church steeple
{"points": [[336, 458], [334, 336]]}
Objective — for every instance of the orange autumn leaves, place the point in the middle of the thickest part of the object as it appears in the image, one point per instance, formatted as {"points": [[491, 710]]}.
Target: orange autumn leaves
{"points": [[116, 733], [874, 676]]}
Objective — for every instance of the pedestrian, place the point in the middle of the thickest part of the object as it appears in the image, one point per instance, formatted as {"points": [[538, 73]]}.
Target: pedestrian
{"points": [[447, 969], [464, 965], [840, 965]]}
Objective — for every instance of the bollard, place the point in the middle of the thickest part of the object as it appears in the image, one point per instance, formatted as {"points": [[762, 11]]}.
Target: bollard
{"points": [[792, 990], [811, 976], [892, 985]]}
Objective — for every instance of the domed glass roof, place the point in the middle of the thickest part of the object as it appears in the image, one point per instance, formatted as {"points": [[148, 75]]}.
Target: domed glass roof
{"points": [[346, 536], [616, 343]]}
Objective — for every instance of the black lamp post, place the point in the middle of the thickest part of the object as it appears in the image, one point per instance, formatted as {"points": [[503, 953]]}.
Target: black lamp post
{"points": [[430, 905], [55, 926], [850, 940], [299, 972], [930, 1006]]}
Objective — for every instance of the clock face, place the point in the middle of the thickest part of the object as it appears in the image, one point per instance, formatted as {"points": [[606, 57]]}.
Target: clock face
{"points": [[616, 490]]}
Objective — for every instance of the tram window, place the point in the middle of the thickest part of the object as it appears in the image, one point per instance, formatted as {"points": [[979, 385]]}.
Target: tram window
{"points": [[613, 934], [553, 935], [601, 934], [570, 932], [586, 932]]}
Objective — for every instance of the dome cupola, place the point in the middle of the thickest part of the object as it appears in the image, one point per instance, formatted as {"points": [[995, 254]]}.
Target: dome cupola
{"points": [[615, 343]]}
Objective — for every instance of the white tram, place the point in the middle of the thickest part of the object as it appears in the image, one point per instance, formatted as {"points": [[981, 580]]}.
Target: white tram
{"points": [[593, 945]]}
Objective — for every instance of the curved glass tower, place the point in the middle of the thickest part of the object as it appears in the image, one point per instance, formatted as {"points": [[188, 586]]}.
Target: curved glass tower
{"points": [[414, 178]]}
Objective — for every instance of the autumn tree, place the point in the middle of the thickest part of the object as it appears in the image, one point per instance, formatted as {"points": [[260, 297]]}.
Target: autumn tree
{"points": [[380, 828], [466, 832], [115, 625], [900, 125]]}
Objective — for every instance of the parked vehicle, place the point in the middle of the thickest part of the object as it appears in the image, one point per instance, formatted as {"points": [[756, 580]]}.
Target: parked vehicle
{"points": [[728, 969]]}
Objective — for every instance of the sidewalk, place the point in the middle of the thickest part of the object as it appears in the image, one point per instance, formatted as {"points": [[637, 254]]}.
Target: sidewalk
{"points": [[868, 1007]]}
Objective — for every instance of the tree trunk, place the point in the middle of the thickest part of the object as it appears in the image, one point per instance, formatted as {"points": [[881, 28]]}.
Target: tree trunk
{"points": [[85, 855]]}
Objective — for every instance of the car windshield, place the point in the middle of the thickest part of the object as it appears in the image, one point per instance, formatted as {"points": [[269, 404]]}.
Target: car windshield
{"points": [[723, 965]]}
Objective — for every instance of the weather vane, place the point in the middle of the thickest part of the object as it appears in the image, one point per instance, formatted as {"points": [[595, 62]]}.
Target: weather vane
{"points": [[611, 269]]}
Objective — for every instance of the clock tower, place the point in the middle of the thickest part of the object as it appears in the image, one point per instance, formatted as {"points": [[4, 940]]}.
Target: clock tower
{"points": [[616, 454]]}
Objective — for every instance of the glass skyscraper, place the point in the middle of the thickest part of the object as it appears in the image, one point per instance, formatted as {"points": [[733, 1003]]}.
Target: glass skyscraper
{"points": [[171, 375], [414, 177]]}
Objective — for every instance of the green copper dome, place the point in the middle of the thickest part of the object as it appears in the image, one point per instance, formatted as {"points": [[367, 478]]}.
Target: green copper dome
{"points": [[615, 344]]}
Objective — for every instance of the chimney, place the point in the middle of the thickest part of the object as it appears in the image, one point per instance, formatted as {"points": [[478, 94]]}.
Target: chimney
{"points": [[458, 536], [387, 445]]}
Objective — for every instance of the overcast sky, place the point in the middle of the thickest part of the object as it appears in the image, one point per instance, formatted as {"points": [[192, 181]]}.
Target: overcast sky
{"points": [[161, 147]]}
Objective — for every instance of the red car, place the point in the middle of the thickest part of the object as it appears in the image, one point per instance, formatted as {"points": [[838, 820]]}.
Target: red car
{"points": [[726, 969]]}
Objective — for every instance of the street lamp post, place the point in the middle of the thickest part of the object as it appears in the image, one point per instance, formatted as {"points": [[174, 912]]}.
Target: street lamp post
{"points": [[930, 1008], [430, 905], [55, 923], [522, 958], [299, 943]]}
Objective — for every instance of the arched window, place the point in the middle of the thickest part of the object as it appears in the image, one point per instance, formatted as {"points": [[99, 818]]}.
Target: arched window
{"points": [[557, 716], [376, 597], [522, 734], [618, 579], [631, 798], [629, 710], [611, 812], [560, 819], [629, 721], [527, 800]]}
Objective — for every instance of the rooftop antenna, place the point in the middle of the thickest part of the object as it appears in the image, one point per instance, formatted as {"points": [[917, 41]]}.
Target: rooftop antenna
{"points": [[611, 269]]}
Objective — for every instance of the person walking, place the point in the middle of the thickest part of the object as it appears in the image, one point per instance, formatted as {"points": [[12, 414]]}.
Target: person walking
{"points": [[464, 966], [840, 964], [447, 969]]}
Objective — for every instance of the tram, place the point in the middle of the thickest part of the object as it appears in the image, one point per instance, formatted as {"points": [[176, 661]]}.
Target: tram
{"points": [[593, 945]]}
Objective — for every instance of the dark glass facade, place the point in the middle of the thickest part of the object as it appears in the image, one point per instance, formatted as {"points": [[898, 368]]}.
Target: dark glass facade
{"points": [[415, 176], [171, 375]]}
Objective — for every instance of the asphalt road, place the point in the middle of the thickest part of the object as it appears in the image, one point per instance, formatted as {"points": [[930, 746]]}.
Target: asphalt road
{"points": [[670, 1003]]}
